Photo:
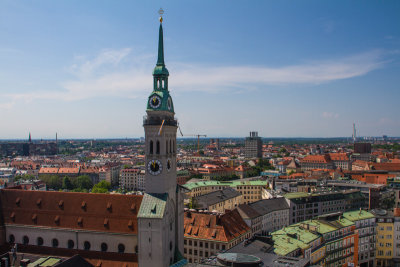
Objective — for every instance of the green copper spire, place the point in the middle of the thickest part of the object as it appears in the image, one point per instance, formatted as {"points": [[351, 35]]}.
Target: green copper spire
{"points": [[160, 69], [160, 61], [160, 99]]}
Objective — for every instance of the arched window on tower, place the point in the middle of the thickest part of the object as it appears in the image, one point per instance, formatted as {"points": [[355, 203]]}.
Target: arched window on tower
{"points": [[159, 84], [151, 146], [170, 146], [166, 147], [173, 147], [158, 147]]}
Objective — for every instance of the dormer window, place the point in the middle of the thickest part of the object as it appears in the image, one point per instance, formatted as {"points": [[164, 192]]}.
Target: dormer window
{"points": [[130, 224], [12, 216], [133, 207]]}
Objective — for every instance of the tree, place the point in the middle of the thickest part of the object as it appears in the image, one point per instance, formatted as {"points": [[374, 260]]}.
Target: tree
{"points": [[52, 181], [67, 184], [102, 187], [83, 182], [25, 177]]}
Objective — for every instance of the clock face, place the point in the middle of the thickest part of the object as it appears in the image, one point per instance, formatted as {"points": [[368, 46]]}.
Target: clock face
{"points": [[154, 167], [169, 103], [155, 101], [169, 164]]}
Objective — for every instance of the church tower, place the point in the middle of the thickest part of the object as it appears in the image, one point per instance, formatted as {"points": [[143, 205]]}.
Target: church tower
{"points": [[160, 218]]}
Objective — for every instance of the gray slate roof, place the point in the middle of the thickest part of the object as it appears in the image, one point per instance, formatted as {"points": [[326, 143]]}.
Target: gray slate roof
{"points": [[204, 201], [247, 212], [265, 206]]}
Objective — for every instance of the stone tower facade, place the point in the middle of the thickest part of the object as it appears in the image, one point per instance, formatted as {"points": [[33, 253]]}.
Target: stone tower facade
{"points": [[160, 218]]}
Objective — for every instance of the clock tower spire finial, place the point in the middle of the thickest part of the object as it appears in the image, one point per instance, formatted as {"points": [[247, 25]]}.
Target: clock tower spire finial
{"points": [[160, 61]]}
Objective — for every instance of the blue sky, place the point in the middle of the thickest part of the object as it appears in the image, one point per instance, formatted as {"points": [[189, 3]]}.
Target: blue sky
{"points": [[282, 68]]}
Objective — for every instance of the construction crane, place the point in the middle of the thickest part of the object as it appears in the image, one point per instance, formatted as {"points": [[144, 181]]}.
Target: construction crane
{"points": [[194, 135]]}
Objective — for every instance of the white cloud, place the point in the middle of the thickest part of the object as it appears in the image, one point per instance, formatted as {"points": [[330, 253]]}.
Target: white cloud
{"points": [[7, 105], [329, 115], [105, 58], [123, 74]]}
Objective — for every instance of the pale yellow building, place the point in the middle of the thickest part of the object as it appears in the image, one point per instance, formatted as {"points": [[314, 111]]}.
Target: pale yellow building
{"points": [[221, 200], [251, 190], [384, 238]]}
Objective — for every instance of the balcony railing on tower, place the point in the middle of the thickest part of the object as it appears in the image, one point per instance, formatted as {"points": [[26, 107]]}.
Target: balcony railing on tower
{"points": [[158, 121]]}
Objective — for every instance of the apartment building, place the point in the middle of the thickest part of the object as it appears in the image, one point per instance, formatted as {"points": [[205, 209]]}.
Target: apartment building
{"points": [[396, 236], [206, 234], [312, 162], [266, 215], [221, 200], [365, 225], [132, 179], [251, 190], [329, 240], [305, 206], [385, 238], [340, 160], [251, 217], [274, 213], [110, 173], [253, 146]]}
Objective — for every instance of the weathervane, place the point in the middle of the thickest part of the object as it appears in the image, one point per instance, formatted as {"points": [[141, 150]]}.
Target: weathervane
{"points": [[161, 12]]}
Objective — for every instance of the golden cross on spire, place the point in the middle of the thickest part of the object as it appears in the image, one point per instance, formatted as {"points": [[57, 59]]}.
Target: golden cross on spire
{"points": [[161, 12]]}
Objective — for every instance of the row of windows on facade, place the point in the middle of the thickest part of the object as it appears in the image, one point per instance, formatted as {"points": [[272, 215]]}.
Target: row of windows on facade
{"points": [[70, 244], [194, 243], [168, 149]]}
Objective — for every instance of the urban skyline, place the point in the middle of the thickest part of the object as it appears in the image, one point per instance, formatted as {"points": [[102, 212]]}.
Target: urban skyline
{"points": [[85, 70]]}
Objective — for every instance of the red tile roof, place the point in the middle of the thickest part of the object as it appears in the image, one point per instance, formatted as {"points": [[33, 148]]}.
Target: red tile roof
{"points": [[214, 227], [69, 170], [48, 170], [387, 166], [86, 211], [316, 159], [339, 156]]}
